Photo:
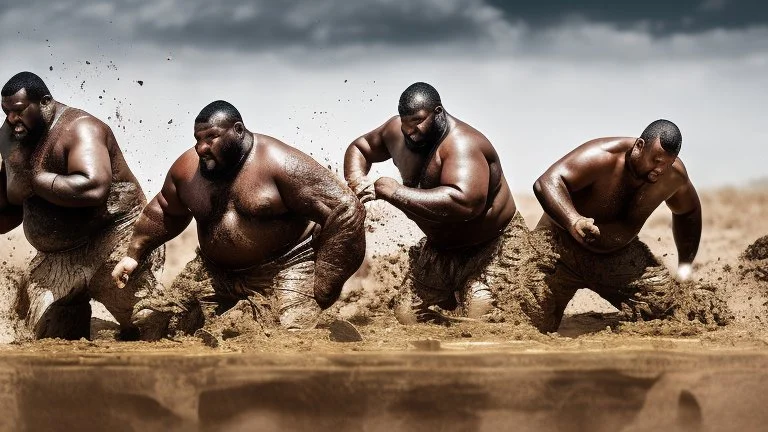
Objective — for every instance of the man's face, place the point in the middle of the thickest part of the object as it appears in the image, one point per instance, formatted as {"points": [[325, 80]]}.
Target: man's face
{"points": [[217, 146], [653, 161], [419, 129], [23, 116]]}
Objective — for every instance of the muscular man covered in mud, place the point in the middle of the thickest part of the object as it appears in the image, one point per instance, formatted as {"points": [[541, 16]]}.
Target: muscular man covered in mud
{"points": [[279, 234], [64, 176], [455, 190], [596, 199]]}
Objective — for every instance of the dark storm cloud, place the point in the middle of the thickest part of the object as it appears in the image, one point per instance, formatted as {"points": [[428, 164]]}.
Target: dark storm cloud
{"points": [[259, 25], [658, 17], [311, 24]]}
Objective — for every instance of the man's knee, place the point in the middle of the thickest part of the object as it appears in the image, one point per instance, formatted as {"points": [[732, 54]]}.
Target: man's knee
{"points": [[479, 301], [65, 321]]}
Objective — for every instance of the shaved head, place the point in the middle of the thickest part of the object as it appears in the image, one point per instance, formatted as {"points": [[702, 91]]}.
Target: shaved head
{"points": [[418, 96], [221, 107]]}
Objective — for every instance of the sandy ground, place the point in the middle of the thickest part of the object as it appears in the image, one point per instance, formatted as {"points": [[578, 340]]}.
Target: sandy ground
{"points": [[684, 376]]}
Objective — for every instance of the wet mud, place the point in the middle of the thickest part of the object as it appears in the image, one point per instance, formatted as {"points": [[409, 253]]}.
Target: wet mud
{"points": [[597, 372]]}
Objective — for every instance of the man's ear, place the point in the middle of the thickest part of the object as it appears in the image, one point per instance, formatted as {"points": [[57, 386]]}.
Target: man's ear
{"points": [[439, 109], [640, 144], [239, 129], [46, 100]]}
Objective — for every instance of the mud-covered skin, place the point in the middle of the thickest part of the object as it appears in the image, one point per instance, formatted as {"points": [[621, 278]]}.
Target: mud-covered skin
{"points": [[54, 298], [278, 293], [631, 279], [77, 207], [600, 180], [277, 197], [457, 194], [467, 280]]}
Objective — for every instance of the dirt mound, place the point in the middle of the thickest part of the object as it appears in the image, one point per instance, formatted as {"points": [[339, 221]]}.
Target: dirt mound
{"points": [[757, 250]]}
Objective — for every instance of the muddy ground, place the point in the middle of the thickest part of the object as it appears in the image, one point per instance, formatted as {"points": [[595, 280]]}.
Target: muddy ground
{"points": [[591, 350]]}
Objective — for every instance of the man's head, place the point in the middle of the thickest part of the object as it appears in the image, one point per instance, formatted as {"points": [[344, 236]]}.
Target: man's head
{"points": [[220, 138], [28, 105], [656, 150], [422, 116]]}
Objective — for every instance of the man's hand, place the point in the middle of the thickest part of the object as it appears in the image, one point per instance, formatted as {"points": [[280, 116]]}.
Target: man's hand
{"points": [[684, 272], [363, 189], [385, 187], [123, 270], [585, 229]]}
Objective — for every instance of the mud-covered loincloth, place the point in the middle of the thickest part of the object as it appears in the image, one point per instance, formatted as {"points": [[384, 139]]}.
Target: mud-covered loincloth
{"points": [[280, 292], [468, 280], [54, 297], [632, 279]]}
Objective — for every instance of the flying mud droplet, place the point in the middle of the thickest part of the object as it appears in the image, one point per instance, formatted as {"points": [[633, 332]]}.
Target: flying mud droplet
{"points": [[140, 82]]}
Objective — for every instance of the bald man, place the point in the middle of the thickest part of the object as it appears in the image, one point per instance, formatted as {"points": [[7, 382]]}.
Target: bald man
{"points": [[64, 176], [595, 200], [454, 188], [279, 234]]}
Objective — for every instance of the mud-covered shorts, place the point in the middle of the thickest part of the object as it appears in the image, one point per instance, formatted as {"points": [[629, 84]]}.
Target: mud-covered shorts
{"points": [[467, 281], [54, 295], [278, 293], [632, 279]]}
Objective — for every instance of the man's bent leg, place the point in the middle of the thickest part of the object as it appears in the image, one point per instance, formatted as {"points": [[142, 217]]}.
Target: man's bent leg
{"points": [[424, 286], [642, 288], [55, 301], [296, 304]]}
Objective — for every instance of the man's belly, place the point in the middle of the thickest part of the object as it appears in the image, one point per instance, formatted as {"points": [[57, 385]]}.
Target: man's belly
{"points": [[52, 228], [613, 235], [237, 245]]}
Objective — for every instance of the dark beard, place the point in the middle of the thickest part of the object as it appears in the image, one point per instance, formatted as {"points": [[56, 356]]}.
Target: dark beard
{"points": [[431, 139], [225, 173]]}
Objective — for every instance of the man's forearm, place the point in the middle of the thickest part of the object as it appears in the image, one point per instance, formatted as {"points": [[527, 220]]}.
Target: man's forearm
{"points": [[686, 229], [73, 190], [440, 204], [340, 250], [154, 228], [356, 166], [555, 199]]}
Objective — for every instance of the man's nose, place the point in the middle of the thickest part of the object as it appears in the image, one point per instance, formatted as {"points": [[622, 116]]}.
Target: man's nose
{"points": [[13, 118], [202, 147]]}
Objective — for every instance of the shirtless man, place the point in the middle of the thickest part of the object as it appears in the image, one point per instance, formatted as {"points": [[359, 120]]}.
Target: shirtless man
{"points": [[455, 190], [64, 176], [596, 199], [279, 234]]}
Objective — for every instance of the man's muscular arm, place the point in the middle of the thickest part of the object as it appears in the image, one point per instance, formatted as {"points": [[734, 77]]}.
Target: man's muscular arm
{"points": [[162, 219], [10, 215], [575, 171], [311, 191], [361, 154], [686, 226], [461, 196], [89, 170]]}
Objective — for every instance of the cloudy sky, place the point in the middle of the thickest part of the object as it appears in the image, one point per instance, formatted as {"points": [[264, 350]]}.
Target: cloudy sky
{"points": [[537, 79]]}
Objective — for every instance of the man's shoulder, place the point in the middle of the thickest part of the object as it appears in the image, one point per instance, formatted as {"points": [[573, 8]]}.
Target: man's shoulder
{"points": [[185, 166], [678, 173], [463, 137], [84, 124], [604, 150]]}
